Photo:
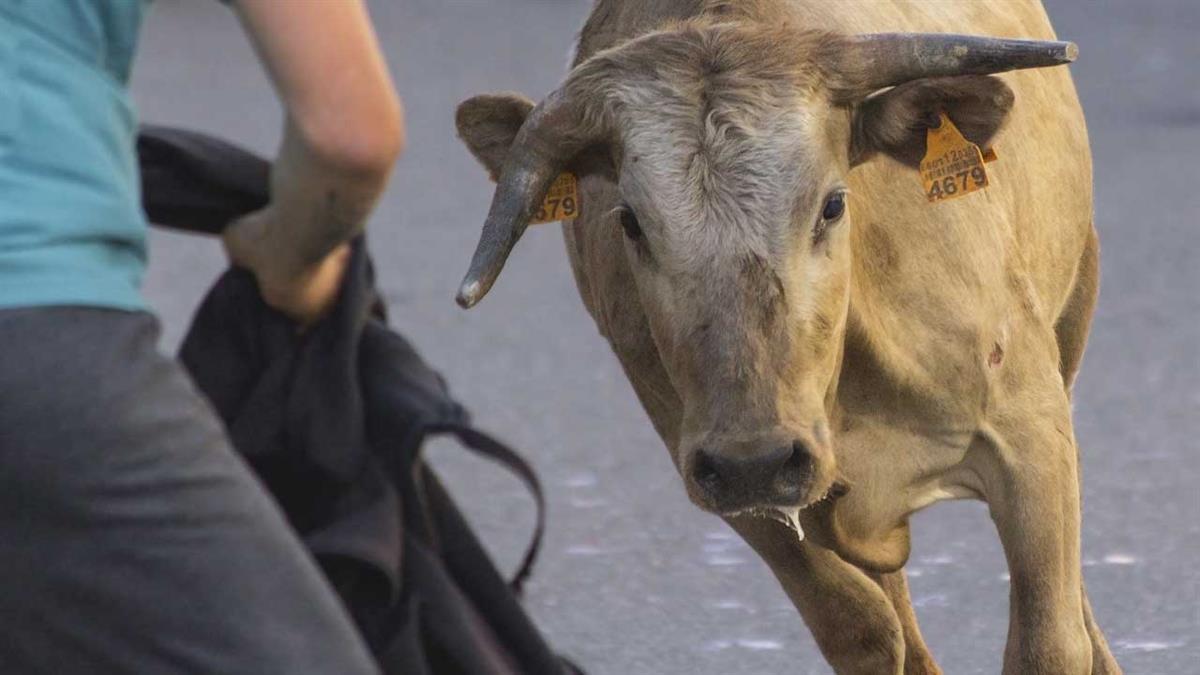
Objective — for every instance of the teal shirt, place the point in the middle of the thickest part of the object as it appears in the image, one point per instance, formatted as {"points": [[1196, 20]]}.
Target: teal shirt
{"points": [[72, 231]]}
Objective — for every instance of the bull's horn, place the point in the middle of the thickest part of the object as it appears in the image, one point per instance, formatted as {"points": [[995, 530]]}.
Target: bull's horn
{"points": [[551, 134], [874, 61]]}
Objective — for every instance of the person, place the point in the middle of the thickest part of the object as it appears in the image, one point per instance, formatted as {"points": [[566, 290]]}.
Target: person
{"points": [[132, 538]]}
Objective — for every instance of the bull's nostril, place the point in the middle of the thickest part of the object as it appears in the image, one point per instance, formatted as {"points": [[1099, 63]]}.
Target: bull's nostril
{"points": [[799, 463], [704, 471]]}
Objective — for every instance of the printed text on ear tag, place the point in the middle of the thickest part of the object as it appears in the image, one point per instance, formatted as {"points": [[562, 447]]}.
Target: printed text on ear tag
{"points": [[561, 202], [953, 166]]}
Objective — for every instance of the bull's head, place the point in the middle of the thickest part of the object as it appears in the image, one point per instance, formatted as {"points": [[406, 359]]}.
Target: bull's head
{"points": [[729, 146]]}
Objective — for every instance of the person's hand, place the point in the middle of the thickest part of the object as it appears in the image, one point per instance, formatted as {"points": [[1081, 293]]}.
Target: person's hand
{"points": [[304, 294]]}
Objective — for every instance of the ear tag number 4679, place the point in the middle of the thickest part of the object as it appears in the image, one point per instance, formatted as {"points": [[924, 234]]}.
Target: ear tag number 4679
{"points": [[953, 166], [561, 202]]}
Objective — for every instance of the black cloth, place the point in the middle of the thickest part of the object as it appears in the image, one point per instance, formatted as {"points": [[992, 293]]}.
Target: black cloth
{"points": [[197, 183], [333, 421]]}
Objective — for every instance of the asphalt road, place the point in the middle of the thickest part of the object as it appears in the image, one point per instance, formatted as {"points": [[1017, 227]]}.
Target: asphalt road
{"points": [[634, 579]]}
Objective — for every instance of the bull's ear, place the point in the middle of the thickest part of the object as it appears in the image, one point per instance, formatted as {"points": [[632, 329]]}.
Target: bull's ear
{"points": [[488, 123], [895, 122]]}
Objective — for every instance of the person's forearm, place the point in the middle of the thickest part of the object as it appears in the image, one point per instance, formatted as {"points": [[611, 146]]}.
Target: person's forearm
{"points": [[344, 128], [317, 202]]}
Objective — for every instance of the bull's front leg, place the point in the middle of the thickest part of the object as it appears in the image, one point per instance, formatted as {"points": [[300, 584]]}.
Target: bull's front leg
{"points": [[1027, 462], [862, 624], [918, 660], [1103, 662]]}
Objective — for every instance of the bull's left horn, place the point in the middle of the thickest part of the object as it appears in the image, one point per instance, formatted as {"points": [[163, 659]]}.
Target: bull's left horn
{"points": [[519, 187], [551, 135], [870, 62]]}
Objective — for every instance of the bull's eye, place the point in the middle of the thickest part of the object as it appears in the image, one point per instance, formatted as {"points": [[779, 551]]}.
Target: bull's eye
{"points": [[835, 206], [629, 223], [831, 213]]}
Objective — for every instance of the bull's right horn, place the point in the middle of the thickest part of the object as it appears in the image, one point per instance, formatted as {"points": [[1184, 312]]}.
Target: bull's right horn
{"points": [[551, 135]]}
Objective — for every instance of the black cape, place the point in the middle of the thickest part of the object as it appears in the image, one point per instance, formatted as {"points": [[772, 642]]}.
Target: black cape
{"points": [[333, 421]]}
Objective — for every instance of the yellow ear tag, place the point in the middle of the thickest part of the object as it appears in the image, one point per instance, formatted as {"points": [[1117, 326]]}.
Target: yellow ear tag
{"points": [[953, 166], [561, 202]]}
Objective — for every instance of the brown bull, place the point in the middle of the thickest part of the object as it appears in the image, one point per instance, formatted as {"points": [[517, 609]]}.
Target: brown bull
{"points": [[804, 328]]}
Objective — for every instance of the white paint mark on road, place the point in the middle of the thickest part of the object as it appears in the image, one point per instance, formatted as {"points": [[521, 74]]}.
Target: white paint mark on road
{"points": [[759, 644], [585, 550], [722, 546], [581, 480], [1120, 559], [1146, 645], [719, 560], [934, 600], [731, 604], [753, 644]]}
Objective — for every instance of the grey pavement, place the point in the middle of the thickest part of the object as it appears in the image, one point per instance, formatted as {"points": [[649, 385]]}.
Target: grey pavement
{"points": [[634, 579]]}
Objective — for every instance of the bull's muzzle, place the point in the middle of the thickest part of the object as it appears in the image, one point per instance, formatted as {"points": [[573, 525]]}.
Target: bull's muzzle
{"points": [[772, 471]]}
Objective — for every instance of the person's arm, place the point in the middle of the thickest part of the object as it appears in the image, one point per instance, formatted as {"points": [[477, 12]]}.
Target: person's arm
{"points": [[344, 130]]}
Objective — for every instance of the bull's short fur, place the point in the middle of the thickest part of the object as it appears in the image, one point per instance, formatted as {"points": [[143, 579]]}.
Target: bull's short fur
{"points": [[934, 345]]}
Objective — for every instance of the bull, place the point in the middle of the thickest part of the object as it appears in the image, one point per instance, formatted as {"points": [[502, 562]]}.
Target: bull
{"points": [[822, 350]]}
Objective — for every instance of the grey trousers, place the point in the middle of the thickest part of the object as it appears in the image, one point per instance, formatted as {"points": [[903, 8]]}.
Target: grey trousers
{"points": [[132, 538]]}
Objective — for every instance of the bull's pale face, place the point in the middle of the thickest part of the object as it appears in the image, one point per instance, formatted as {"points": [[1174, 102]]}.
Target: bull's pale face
{"points": [[736, 232]]}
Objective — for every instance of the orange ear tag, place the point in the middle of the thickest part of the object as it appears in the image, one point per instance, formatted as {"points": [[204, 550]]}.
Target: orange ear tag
{"points": [[561, 202], [953, 166]]}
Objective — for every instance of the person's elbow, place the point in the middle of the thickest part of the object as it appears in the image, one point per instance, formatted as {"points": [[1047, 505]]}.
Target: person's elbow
{"points": [[359, 141]]}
